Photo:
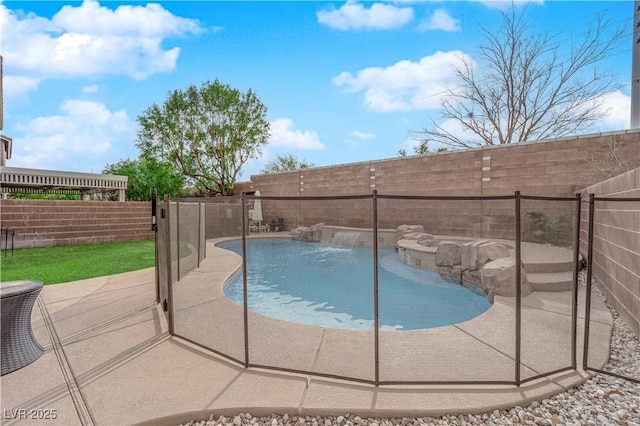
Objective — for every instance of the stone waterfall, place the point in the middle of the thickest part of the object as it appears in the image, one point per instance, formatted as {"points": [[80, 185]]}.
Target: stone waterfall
{"points": [[345, 238]]}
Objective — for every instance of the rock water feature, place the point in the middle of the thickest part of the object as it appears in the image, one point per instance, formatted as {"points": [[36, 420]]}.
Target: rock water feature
{"points": [[483, 264], [311, 234], [345, 238], [414, 232]]}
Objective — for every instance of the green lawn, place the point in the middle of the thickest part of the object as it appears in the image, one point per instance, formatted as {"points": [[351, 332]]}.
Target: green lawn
{"points": [[53, 265]]}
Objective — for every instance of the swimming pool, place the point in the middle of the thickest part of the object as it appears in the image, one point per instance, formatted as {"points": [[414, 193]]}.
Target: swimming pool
{"points": [[328, 286]]}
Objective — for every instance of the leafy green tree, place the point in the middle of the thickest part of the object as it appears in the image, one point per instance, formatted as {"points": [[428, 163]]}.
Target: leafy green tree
{"points": [[207, 133], [529, 85], [145, 174], [286, 163]]}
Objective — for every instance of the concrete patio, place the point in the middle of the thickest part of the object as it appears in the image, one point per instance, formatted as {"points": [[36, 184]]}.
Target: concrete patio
{"points": [[109, 358]]}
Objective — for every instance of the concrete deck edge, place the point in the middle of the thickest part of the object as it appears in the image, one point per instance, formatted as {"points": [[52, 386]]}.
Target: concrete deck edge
{"points": [[547, 387]]}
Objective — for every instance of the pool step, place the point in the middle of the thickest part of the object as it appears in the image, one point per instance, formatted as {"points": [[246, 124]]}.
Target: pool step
{"points": [[553, 281], [558, 266], [538, 259]]}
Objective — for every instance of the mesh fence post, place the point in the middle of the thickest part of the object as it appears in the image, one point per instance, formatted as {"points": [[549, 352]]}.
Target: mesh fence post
{"points": [[167, 201], [587, 307], [376, 313], [574, 294], [199, 232], [518, 288], [245, 302], [178, 238]]}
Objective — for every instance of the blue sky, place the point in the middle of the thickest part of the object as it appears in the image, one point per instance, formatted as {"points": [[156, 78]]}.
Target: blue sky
{"points": [[343, 82]]}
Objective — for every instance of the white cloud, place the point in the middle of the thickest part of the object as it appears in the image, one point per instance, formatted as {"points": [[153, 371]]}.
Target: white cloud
{"points": [[618, 108], [405, 85], [354, 16], [151, 20], [363, 136], [90, 89], [284, 133], [440, 20], [83, 137], [15, 86], [91, 40]]}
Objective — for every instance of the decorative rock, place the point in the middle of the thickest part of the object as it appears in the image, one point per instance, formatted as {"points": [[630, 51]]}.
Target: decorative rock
{"points": [[418, 236], [472, 276], [498, 278], [448, 254], [453, 272], [469, 254], [476, 254], [300, 233], [309, 234], [489, 252], [428, 242], [521, 415], [405, 229]]}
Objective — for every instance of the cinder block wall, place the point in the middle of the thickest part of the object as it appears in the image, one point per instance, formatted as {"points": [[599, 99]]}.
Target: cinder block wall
{"points": [[548, 168], [616, 244], [46, 223]]}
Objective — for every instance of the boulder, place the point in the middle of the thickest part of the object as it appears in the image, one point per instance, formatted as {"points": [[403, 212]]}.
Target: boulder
{"points": [[451, 272], [469, 254], [315, 232], [448, 253], [480, 252], [307, 233], [489, 252], [300, 233], [428, 242], [417, 236], [472, 276], [498, 278], [405, 229]]}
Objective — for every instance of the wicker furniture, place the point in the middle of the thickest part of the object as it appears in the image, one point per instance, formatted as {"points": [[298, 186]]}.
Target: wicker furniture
{"points": [[18, 346]]}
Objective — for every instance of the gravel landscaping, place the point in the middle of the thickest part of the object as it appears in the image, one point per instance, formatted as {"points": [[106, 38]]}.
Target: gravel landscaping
{"points": [[602, 400]]}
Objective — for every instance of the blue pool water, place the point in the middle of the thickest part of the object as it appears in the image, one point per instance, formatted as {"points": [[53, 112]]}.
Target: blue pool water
{"points": [[328, 286]]}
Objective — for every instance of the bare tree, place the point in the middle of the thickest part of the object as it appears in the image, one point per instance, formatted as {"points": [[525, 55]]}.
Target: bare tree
{"points": [[612, 162], [531, 86]]}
